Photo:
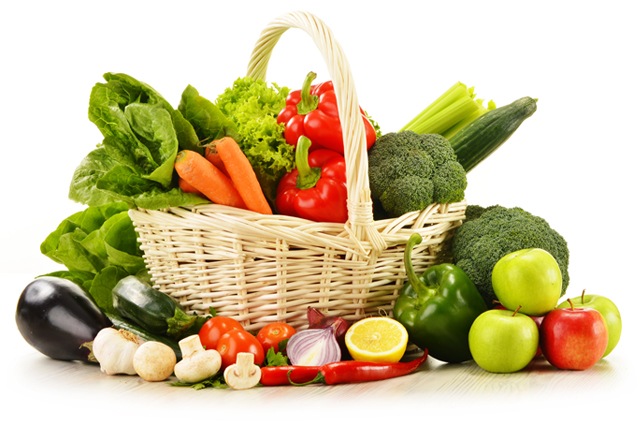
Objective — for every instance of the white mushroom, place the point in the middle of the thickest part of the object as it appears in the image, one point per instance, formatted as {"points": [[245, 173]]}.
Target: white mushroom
{"points": [[197, 363], [154, 361], [244, 374]]}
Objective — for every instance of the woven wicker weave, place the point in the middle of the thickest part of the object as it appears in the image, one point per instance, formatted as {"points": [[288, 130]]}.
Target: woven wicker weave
{"points": [[266, 268]]}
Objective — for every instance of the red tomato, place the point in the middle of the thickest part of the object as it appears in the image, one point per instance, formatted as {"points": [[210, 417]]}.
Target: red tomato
{"points": [[239, 340], [272, 334], [214, 328]]}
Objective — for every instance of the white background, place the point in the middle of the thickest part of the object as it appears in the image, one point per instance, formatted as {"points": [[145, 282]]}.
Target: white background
{"points": [[575, 162]]}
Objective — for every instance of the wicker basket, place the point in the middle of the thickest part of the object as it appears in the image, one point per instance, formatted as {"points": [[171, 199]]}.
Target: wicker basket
{"points": [[266, 268]]}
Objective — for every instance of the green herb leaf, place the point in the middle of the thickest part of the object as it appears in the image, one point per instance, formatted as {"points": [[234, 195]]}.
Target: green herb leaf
{"points": [[273, 358]]}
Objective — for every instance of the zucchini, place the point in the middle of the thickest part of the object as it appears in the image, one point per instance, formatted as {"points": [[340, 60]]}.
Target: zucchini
{"points": [[476, 141], [149, 308], [120, 323]]}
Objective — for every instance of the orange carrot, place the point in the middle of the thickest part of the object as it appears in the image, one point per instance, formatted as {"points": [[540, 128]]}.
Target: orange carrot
{"points": [[206, 178], [242, 175], [212, 155], [186, 186]]}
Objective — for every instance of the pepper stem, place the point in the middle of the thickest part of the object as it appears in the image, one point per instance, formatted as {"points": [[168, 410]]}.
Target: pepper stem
{"points": [[416, 283], [308, 102], [308, 176]]}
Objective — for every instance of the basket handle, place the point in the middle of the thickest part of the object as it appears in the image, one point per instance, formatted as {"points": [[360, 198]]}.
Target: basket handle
{"points": [[360, 223]]}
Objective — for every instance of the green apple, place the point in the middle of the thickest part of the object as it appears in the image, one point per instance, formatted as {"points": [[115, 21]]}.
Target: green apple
{"points": [[609, 311], [528, 279], [503, 341]]}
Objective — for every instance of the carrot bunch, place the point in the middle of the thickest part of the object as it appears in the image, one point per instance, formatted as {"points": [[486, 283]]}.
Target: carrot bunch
{"points": [[223, 174]]}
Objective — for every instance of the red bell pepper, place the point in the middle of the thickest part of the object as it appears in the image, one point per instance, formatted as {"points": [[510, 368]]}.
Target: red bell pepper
{"points": [[312, 112], [316, 188]]}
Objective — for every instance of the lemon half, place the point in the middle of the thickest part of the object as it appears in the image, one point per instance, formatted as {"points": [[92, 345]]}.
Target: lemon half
{"points": [[380, 339]]}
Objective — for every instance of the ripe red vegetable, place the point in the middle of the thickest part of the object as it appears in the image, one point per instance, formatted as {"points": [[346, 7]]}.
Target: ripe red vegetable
{"points": [[239, 340], [316, 189], [348, 371], [214, 328], [272, 334], [312, 112]]}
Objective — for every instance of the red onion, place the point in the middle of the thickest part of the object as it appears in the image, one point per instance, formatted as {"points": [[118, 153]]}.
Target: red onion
{"points": [[313, 347], [318, 320]]}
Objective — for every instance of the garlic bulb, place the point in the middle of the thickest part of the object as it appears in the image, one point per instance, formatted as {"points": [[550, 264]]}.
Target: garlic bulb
{"points": [[114, 349]]}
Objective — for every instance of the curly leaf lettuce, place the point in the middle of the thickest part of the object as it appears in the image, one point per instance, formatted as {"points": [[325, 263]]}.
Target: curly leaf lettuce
{"points": [[253, 105]]}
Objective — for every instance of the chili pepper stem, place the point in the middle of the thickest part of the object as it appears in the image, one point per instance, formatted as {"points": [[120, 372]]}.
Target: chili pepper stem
{"points": [[308, 101], [308, 176]]}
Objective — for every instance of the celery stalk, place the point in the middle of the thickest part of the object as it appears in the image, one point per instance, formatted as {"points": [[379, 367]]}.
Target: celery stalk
{"points": [[450, 112], [448, 134], [457, 91]]}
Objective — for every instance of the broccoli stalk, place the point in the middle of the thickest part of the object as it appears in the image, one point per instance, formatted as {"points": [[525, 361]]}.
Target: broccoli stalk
{"points": [[449, 113]]}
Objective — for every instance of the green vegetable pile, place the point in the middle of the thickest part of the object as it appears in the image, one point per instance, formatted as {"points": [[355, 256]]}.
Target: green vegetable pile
{"points": [[133, 167], [143, 134]]}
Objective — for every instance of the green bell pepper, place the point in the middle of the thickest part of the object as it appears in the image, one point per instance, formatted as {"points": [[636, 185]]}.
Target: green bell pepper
{"points": [[438, 308]]}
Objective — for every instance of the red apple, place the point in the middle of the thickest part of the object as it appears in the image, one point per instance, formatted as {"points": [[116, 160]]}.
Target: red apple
{"points": [[538, 319], [573, 338], [609, 311]]}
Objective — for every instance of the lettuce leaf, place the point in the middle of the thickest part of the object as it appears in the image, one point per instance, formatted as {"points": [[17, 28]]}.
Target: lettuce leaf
{"points": [[135, 161], [208, 120], [98, 246]]}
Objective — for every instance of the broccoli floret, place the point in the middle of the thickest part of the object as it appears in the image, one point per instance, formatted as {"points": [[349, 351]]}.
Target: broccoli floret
{"points": [[415, 191], [427, 161], [449, 182], [489, 233]]}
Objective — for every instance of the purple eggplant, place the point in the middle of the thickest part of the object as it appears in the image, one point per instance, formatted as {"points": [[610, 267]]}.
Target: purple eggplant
{"points": [[57, 317]]}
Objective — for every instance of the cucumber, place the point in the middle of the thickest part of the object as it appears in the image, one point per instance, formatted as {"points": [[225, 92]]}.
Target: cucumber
{"points": [[146, 306], [483, 136], [120, 323]]}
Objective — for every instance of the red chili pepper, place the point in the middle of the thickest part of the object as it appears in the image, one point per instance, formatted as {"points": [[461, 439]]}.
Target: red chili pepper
{"points": [[316, 188], [349, 371], [360, 371], [312, 112], [286, 375]]}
